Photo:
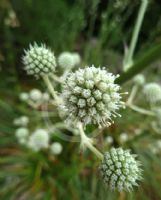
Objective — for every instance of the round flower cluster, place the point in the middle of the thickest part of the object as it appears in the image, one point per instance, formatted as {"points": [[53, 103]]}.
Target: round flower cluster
{"points": [[120, 170], [76, 58], [35, 94], [152, 92], [24, 96], [139, 79], [65, 60], [56, 148], [68, 60], [35, 97], [38, 140], [22, 135], [91, 96], [39, 60]]}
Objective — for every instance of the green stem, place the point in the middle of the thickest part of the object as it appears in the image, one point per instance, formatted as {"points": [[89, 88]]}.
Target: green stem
{"points": [[56, 78], [140, 110], [88, 143], [132, 95], [129, 56], [50, 88]]}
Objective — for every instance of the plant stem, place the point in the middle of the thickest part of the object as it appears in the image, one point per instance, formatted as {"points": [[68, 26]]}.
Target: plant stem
{"points": [[56, 78], [85, 141], [129, 56], [132, 95], [51, 88], [140, 110]]}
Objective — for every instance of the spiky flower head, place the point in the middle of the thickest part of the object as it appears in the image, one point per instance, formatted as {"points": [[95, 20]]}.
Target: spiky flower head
{"points": [[65, 60], [120, 170], [152, 92], [56, 148], [38, 140], [39, 60], [139, 79], [91, 96]]}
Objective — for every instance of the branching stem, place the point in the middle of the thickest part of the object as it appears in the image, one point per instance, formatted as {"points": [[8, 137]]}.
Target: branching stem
{"points": [[85, 141]]}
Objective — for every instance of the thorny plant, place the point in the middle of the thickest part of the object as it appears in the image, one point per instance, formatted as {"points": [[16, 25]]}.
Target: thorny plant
{"points": [[90, 95]]}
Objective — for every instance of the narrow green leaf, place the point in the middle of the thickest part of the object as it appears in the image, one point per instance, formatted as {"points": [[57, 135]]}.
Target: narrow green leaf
{"points": [[148, 58]]}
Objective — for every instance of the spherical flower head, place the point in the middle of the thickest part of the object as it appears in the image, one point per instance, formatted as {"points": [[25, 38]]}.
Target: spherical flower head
{"points": [[38, 140], [65, 60], [91, 96], [24, 96], [22, 135], [109, 139], [35, 95], [56, 148], [152, 92], [139, 79], [39, 60], [76, 58], [120, 170], [123, 137]]}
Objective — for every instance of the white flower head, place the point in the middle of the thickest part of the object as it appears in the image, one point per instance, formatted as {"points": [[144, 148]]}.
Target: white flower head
{"points": [[152, 92], [21, 121], [123, 137], [38, 140], [39, 60], [35, 95], [65, 60], [24, 96], [91, 96], [22, 135], [109, 139], [76, 58], [139, 79], [120, 170], [56, 148]]}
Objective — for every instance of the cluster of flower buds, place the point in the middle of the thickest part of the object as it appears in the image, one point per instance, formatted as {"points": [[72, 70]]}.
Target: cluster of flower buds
{"points": [[35, 97]]}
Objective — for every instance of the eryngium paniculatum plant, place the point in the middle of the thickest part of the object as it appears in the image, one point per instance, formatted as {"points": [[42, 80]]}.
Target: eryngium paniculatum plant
{"points": [[120, 170], [39, 60], [91, 96]]}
